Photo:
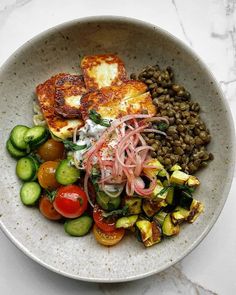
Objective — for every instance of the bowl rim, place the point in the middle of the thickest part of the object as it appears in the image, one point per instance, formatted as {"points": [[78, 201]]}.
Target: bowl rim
{"points": [[202, 64]]}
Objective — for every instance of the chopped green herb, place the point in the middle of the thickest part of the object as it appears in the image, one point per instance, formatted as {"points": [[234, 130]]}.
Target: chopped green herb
{"points": [[51, 195], [124, 211], [95, 176], [69, 145], [165, 189], [96, 118], [185, 188]]}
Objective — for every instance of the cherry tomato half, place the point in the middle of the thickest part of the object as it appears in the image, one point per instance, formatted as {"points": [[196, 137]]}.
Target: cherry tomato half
{"points": [[108, 238], [47, 209], [105, 224], [70, 201], [51, 150], [46, 175]]}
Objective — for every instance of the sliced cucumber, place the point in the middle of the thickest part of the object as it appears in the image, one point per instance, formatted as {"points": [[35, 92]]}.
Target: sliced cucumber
{"points": [[78, 227], [106, 202], [66, 173], [36, 135], [17, 137], [26, 169], [30, 193], [14, 152]]}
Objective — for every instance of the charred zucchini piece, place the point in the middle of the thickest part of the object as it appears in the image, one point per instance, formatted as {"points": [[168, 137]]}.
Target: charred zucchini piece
{"points": [[158, 191], [134, 205], [179, 215], [160, 217], [156, 235], [151, 207], [195, 210], [193, 181], [170, 197], [154, 171], [127, 221], [163, 173], [145, 228], [176, 167], [179, 177], [168, 227], [185, 200]]}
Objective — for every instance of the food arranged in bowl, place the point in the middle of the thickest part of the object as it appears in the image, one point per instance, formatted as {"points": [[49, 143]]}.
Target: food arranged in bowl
{"points": [[113, 154]]}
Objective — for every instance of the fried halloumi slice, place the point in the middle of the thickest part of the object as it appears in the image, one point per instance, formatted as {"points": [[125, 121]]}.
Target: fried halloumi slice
{"points": [[103, 70], [68, 92], [58, 126], [131, 97]]}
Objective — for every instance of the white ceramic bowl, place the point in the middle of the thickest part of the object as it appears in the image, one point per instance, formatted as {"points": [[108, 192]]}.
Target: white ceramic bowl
{"points": [[138, 44]]}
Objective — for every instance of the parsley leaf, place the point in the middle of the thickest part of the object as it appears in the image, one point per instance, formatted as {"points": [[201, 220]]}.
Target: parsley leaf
{"points": [[185, 188], [69, 145], [51, 195], [123, 212], [96, 118]]}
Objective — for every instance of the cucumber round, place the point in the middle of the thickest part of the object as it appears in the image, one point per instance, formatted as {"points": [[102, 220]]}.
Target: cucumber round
{"points": [[26, 169], [14, 152], [66, 173], [36, 135], [17, 137], [30, 193], [78, 227], [106, 202]]}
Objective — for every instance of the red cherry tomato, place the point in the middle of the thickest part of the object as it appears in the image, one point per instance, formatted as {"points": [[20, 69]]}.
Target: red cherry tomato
{"points": [[105, 224], [70, 201], [47, 209]]}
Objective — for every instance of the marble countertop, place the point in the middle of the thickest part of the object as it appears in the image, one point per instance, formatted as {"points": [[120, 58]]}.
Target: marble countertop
{"points": [[209, 27]]}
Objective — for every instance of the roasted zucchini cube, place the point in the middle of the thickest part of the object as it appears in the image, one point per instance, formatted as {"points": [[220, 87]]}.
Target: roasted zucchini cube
{"points": [[134, 205], [179, 215], [126, 221], [195, 210], [150, 232], [168, 227], [160, 217], [193, 181], [156, 235], [145, 228], [154, 171], [179, 177], [151, 207]]}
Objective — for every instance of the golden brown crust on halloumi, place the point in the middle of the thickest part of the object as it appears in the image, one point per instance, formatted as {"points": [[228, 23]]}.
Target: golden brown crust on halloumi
{"points": [[59, 126], [102, 71], [131, 97], [68, 92]]}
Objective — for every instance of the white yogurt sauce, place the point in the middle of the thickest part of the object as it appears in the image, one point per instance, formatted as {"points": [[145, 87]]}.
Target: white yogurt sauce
{"points": [[88, 135]]}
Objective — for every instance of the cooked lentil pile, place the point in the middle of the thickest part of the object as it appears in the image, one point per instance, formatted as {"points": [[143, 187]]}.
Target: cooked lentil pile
{"points": [[186, 135]]}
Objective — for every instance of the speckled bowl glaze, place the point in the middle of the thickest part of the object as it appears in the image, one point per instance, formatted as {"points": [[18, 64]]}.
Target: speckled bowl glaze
{"points": [[60, 50]]}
